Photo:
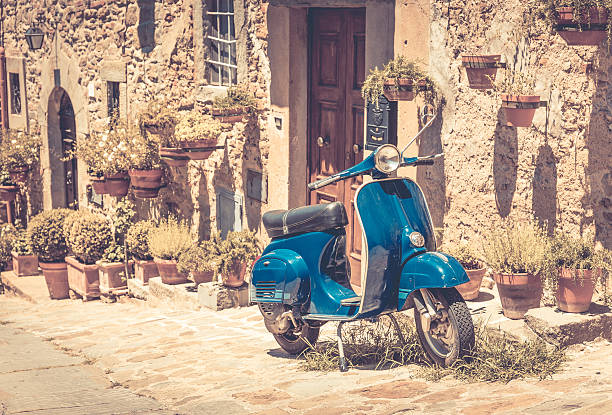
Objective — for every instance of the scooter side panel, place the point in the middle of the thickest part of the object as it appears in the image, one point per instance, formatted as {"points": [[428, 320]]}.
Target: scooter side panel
{"points": [[429, 270], [280, 276]]}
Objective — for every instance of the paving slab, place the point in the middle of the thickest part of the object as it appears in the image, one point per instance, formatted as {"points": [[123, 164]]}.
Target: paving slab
{"points": [[33, 288]]}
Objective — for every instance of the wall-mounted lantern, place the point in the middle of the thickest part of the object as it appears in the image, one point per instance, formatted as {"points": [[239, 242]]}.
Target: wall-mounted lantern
{"points": [[34, 37]]}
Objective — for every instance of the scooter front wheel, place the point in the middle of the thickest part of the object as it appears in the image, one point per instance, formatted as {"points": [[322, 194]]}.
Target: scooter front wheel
{"points": [[295, 341], [450, 334]]}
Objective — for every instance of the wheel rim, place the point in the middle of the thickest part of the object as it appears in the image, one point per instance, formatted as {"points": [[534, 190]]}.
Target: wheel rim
{"points": [[441, 335]]}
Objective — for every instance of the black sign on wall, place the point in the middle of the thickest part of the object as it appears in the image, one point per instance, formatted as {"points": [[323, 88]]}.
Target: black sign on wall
{"points": [[381, 123]]}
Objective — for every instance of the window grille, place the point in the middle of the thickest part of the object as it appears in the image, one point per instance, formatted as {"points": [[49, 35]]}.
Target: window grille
{"points": [[222, 66], [113, 99], [15, 91]]}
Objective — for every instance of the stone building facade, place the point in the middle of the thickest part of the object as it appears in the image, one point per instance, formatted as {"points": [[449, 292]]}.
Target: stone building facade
{"points": [[559, 170]]}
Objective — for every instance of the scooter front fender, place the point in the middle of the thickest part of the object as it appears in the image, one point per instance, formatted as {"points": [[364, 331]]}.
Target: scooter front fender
{"points": [[429, 270]]}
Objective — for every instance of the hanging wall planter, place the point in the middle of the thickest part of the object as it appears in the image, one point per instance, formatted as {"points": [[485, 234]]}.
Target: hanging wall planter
{"points": [[8, 193], [117, 185], [200, 149], [99, 184], [19, 174], [520, 109], [589, 29], [146, 183], [481, 70], [230, 115], [402, 89], [173, 157]]}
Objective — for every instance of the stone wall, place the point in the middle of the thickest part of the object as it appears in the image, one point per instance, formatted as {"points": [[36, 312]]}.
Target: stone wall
{"points": [[559, 170], [150, 48]]}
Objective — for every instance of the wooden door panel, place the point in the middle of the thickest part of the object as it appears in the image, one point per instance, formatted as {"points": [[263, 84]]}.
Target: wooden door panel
{"points": [[329, 61]]}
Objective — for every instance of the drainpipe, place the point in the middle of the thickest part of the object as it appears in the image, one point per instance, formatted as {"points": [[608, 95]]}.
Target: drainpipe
{"points": [[3, 93]]}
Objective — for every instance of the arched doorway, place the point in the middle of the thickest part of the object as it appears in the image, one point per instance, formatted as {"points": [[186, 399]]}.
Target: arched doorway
{"points": [[61, 133]]}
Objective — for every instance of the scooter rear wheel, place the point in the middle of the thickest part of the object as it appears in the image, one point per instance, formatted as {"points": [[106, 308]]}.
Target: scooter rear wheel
{"points": [[296, 341], [451, 335]]}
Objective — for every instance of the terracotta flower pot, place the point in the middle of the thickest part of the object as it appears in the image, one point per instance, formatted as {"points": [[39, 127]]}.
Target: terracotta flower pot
{"points": [[117, 185], [589, 30], [481, 70], [575, 290], [83, 279], [8, 193], [56, 277], [173, 157], [19, 174], [169, 273], [230, 115], [199, 149], [235, 278], [25, 265], [518, 293], [403, 90], [202, 277], [112, 275], [99, 185], [146, 183], [143, 270], [520, 109], [471, 289]]}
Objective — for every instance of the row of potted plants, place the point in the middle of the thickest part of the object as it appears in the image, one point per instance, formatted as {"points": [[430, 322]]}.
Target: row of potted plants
{"points": [[524, 261]]}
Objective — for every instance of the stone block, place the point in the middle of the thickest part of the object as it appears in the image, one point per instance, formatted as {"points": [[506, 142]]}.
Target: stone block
{"points": [[216, 296], [179, 295], [113, 71], [137, 289], [564, 329]]}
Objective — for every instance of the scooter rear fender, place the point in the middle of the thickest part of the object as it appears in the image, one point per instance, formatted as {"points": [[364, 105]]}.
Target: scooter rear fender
{"points": [[429, 270], [280, 276]]}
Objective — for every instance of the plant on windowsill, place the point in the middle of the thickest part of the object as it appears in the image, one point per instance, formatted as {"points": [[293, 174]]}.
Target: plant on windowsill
{"points": [[580, 22], [25, 263], [518, 98], [19, 153], [400, 80], [167, 242], [137, 239], [235, 106], [46, 236], [145, 166], [238, 250], [201, 260], [577, 267], [8, 189], [518, 254], [198, 134], [89, 235], [472, 265]]}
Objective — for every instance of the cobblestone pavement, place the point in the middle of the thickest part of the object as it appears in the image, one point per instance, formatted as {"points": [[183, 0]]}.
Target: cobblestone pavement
{"points": [[204, 362]]}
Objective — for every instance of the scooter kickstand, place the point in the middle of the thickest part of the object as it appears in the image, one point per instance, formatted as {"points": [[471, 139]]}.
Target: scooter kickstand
{"points": [[343, 365], [397, 329]]}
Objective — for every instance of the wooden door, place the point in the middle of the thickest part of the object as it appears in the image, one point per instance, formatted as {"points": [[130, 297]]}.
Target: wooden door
{"points": [[336, 111], [68, 131]]}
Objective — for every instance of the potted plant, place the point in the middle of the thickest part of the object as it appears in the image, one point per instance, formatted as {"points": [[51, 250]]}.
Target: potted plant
{"points": [[89, 235], [111, 269], [145, 166], [19, 153], [234, 106], [399, 80], [473, 267], [201, 260], [518, 254], [8, 236], [167, 242], [198, 134], [25, 263], [580, 22], [45, 235], [137, 239], [481, 70], [237, 251], [8, 189], [158, 119], [577, 267], [518, 99]]}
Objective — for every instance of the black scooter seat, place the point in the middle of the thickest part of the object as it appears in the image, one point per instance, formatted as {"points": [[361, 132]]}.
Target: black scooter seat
{"points": [[315, 218]]}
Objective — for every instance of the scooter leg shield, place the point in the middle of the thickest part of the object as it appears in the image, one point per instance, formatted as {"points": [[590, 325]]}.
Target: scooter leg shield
{"points": [[429, 270]]}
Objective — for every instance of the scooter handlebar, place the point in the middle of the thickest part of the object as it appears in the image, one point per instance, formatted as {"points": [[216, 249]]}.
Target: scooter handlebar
{"points": [[323, 182]]}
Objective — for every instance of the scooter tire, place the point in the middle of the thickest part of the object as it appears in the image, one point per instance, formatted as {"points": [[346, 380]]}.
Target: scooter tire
{"points": [[461, 322], [294, 343]]}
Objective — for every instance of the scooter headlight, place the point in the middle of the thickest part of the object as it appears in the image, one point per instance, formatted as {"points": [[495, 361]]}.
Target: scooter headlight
{"points": [[387, 158]]}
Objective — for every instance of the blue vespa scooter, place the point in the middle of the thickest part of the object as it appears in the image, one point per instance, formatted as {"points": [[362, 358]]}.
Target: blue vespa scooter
{"points": [[301, 281]]}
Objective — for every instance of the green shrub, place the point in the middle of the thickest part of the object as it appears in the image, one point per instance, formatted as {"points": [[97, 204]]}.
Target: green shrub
{"points": [[46, 235], [463, 253], [237, 96], [90, 235], [138, 240], [514, 248], [170, 239], [8, 235], [21, 245], [238, 248], [114, 253], [201, 257]]}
